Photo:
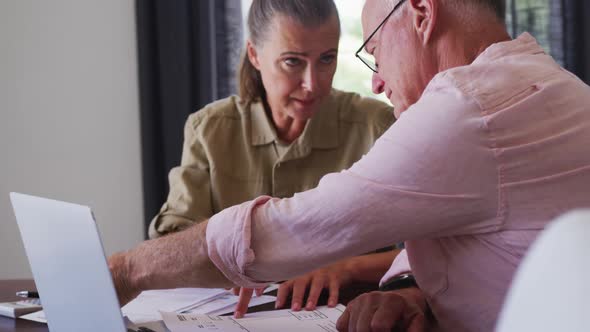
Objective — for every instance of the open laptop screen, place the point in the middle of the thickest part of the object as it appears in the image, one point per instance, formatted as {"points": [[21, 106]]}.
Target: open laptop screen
{"points": [[68, 262]]}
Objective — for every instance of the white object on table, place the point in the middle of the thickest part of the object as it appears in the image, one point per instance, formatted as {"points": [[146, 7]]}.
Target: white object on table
{"points": [[550, 291], [323, 319]]}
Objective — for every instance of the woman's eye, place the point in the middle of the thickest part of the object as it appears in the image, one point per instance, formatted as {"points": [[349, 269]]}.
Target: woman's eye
{"points": [[328, 59], [292, 62]]}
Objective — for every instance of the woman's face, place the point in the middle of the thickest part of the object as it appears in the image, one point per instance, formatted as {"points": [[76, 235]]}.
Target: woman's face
{"points": [[297, 65]]}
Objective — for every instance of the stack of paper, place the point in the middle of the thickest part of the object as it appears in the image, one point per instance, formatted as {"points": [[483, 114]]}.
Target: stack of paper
{"points": [[217, 301], [226, 304], [323, 319], [146, 306]]}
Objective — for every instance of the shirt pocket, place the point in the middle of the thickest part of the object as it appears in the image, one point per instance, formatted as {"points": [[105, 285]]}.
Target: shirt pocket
{"points": [[429, 265], [231, 189]]}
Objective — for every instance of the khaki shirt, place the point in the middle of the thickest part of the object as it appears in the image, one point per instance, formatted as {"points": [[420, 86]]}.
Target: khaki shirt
{"points": [[232, 154]]}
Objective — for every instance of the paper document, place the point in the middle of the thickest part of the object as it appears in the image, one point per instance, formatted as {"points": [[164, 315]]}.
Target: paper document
{"points": [[147, 306], [323, 319], [153, 326], [38, 316], [226, 304]]}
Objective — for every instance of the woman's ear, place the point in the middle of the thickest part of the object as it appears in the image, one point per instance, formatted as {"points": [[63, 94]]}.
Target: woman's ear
{"points": [[252, 54], [425, 14]]}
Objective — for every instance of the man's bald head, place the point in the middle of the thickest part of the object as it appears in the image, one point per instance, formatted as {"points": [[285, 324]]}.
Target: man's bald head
{"points": [[421, 38]]}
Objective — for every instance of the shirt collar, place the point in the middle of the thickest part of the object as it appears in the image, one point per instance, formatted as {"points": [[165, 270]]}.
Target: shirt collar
{"points": [[321, 132], [263, 131], [523, 44]]}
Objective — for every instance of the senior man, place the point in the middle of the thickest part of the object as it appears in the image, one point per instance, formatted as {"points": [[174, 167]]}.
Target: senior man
{"points": [[490, 145]]}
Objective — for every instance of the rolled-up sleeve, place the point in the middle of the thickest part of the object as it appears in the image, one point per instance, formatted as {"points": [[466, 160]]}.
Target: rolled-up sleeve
{"points": [[432, 174], [229, 243]]}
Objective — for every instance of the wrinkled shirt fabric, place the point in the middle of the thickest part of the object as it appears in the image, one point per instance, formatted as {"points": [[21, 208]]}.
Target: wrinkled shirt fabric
{"points": [[467, 178]]}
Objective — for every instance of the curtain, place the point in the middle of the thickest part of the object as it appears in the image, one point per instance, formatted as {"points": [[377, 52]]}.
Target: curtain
{"points": [[188, 52], [560, 26]]}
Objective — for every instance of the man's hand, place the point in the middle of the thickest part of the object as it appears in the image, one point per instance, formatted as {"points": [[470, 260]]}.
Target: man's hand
{"points": [[332, 277], [119, 266], [244, 299], [404, 309]]}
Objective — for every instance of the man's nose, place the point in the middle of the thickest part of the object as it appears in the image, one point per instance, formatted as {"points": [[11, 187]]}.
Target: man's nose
{"points": [[377, 83]]}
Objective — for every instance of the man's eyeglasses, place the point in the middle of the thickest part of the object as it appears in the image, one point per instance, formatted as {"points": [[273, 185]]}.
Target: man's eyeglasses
{"points": [[366, 58]]}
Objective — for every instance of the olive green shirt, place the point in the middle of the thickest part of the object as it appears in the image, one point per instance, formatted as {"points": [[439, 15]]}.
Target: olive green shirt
{"points": [[232, 154]]}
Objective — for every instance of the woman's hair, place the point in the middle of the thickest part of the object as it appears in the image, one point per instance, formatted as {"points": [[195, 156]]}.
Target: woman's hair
{"points": [[309, 13]]}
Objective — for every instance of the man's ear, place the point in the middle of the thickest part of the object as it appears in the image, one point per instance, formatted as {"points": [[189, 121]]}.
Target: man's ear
{"points": [[252, 54], [425, 14]]}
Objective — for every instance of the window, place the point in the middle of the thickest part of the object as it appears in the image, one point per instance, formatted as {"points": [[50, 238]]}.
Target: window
{"points": [[541, 18], [351, 74]]}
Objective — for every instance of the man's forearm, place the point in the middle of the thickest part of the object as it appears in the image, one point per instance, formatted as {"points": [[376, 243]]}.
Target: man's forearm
{"points": [[177, 260]]}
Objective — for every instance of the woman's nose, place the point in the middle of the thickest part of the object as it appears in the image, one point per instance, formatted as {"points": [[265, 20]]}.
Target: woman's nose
{"points": [[310, 79], [377, 83]]}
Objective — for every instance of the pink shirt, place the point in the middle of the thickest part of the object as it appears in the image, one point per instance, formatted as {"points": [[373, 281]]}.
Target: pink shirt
{"points": [[467, 177]]}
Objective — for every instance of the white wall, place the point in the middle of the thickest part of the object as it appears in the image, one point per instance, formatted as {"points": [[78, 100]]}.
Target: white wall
{"points": [[69, 116]]}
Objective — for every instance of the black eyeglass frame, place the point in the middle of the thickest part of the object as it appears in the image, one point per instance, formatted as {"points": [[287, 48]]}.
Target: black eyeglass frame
{"points": [[375, 70]]}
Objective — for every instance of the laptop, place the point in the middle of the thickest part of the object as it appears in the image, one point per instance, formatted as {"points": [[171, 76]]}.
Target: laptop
{"points": [[69, 265]]}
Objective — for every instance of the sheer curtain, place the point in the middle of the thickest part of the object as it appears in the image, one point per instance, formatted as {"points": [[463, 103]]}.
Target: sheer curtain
{"points": [[188, 56]]}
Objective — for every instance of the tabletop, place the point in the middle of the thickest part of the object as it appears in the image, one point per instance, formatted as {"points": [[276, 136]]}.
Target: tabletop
{"points": [[8, 289]]}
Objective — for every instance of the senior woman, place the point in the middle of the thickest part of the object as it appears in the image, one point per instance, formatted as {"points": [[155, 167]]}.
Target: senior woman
{"points": [[286, 130]]}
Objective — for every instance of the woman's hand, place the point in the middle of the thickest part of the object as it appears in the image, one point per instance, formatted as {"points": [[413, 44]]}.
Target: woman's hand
{"points": [[331, 277]]}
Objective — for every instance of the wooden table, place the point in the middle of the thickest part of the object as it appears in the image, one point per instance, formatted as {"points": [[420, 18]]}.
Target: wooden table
{"points": [[8, 289]]}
